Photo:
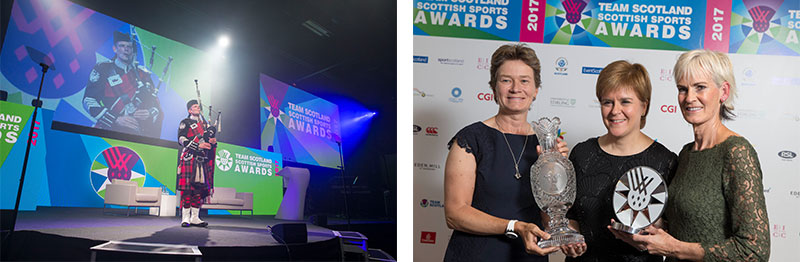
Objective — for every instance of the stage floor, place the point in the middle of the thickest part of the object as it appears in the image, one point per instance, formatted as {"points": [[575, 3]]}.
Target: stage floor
{"points": [[222, 231]]}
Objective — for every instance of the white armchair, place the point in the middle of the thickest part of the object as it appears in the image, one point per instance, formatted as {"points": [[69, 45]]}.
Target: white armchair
{"points": [[128, 193]]}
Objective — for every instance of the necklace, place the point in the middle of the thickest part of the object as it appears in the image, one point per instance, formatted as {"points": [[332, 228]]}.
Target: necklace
{"points": [[513, 158]]}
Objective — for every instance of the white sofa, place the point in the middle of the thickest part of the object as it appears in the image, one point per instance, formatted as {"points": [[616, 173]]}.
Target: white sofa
{"points": [[128, 193]]}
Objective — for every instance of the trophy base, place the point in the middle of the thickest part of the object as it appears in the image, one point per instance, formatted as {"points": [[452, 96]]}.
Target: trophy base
{"points": [[565, 238], [621, 227]]}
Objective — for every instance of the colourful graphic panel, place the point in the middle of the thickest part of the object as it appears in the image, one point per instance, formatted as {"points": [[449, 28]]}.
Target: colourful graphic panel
{"points": [[665, 24], [251, 170], [765, 27], [108, 74], [116, 162], [495, 20], [738, 26], [302, 127], [15, 125]]}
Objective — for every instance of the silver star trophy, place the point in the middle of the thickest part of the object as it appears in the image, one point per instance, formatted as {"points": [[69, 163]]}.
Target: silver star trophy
{"points": [[553, 185], [639, 199]]}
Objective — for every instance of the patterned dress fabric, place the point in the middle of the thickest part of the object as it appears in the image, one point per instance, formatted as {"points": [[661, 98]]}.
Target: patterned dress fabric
{"points": [[717, 199], [497, 193], [596, 174]]}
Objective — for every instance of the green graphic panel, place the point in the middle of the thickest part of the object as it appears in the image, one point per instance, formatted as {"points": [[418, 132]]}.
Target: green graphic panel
{"points": [[250, 170], [13, 118]]}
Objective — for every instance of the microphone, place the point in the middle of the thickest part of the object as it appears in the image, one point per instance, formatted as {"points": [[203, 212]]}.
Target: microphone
{"points": [[195, 81]]}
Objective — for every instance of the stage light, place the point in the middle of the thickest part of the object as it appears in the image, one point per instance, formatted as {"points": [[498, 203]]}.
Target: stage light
{"points": [[224, 41]]}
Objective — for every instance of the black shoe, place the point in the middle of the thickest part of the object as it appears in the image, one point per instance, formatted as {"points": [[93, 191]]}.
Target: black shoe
{"points": [[185, 224], [204, 224]]}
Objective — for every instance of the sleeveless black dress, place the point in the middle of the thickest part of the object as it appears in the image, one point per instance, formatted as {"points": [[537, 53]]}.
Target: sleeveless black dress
{"points": [[596, 174], [497, 193]]}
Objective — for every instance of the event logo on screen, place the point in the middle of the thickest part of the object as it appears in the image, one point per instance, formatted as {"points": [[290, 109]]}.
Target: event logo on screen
{"points": [[115, 163], [224, 160]]}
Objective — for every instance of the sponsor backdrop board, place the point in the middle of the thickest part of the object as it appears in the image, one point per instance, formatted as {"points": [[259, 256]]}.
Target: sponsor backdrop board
{"points": [[451, 91], [750, 27], [299, 125], [80, 42]]}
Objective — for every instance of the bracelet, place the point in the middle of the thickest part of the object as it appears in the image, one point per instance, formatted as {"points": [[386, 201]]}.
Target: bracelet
{"points": [[510, 229]]}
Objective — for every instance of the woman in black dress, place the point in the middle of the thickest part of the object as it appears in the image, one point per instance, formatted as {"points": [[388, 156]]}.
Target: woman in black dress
{"points": [[488, 199], [623, 90]]}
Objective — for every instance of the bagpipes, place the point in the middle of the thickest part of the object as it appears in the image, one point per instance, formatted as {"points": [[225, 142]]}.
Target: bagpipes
{"points": [[209, 130], [146, 94]]}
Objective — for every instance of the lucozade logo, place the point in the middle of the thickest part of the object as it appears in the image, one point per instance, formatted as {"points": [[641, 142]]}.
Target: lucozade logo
{"points": [[116, 163]]}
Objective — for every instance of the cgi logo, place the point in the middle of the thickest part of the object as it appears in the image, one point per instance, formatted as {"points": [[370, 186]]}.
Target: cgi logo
{"points": [[115, 163], [485, 97], [417, 129], [778, 231], [430, 203], [456, 92], [561, 66], [432, 131], [787, 155], [420, 59], [427, 237], [669, 109], [483, 63], [666, 75]]}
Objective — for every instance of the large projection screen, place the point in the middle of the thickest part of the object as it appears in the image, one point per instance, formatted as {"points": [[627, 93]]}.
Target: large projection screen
{"points": [[302, 127], [94, 88]]}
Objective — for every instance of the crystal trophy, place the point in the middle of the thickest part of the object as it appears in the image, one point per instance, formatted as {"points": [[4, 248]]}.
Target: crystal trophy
{"points": [[639, 198], [553, 185]]}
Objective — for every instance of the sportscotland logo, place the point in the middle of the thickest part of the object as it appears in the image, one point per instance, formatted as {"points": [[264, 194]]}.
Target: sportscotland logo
{"points": [[115, 163], [224, 160]]}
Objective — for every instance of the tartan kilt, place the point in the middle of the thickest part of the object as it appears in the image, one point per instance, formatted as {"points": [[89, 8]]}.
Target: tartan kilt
{"points": [[186, 169]]}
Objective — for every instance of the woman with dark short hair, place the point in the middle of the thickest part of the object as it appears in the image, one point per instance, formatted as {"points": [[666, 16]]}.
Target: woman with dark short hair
{"points": [[488, 198]]}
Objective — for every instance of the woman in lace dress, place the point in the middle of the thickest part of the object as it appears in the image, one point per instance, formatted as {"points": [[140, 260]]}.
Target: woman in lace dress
{"points": [[715, 210], [623, 90], [488, 199]]}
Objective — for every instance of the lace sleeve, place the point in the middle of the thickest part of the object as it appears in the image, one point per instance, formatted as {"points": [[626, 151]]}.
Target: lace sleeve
{"points": [[744, 194], [462, 143], [463, 139]]}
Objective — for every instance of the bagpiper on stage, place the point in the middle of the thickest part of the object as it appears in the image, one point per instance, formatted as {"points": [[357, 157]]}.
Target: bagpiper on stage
{"points": [[195, 164]]}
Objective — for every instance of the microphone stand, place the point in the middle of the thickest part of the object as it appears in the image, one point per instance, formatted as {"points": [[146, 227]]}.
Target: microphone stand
{"points": [[36, 104], [345, 187]]}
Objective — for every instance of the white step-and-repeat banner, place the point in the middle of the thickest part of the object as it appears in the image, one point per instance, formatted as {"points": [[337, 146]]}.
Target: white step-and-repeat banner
{"points": [[454, 41]]}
